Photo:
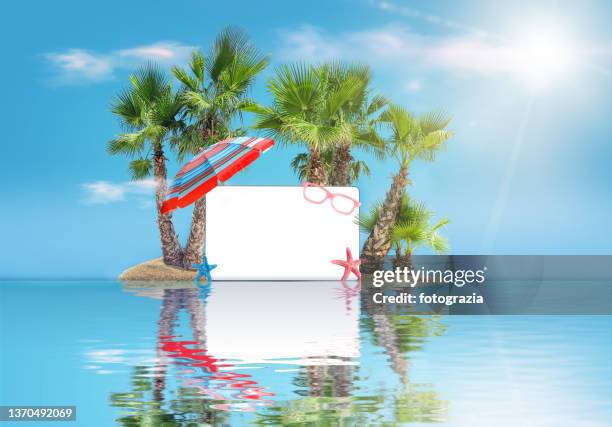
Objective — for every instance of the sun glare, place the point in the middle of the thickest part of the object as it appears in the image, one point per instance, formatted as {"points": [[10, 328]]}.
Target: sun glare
{"points": [[543, 58]]}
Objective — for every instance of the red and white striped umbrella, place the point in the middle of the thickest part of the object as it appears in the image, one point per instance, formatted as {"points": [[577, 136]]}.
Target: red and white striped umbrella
{"points": [[215, 164]]}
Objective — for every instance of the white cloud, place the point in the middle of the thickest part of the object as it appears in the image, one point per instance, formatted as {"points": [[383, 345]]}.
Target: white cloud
{"points": [[397, 9], [393, 46], [389, 46], [104, 192], [540, 56], [161, 52], [79, 66], [308, 43]]}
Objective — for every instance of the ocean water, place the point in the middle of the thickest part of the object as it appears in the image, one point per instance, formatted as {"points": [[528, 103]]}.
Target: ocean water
{"points": [[292, 353]]}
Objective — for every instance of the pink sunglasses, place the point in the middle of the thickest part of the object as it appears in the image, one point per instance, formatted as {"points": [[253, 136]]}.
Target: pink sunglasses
{"points": [[341, 203]]}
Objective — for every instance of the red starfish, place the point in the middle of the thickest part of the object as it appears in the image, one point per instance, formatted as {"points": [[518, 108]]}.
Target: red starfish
{"points": [[350, 265]]}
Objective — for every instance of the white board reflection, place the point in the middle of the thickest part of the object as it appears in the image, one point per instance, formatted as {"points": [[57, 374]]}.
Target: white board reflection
{"points": [[305, 323]]}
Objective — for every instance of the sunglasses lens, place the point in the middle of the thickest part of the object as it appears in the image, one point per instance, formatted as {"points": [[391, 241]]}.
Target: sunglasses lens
{"points": [[315, 194], [343, 204]]}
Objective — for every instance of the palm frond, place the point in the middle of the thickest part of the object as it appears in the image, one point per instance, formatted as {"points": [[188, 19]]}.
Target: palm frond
{"points": [[128, 144], [314, 134], [412, 212], [369, 140], [408, 232], [198, 66], [367, 221], [377, 103], [272, 127], [187, 142], [251, 106], [443, 222], [295, 90], [183, 76], [240, 74], [141, 168], [413, 229], [196, 101], [428, 145], [300, 165], [231, 47], [401, 122], [414, 137], [340, 96], [358, 168], [164, 112], [129, 108], [150, 83], [434, 121], [439, 244]]}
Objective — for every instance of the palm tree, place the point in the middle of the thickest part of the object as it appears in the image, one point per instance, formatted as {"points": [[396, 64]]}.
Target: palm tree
{"points": [[412, 230], [148, 109], [411, 138], [214, 91], [307, 109], [360, 114], [365, 137]]}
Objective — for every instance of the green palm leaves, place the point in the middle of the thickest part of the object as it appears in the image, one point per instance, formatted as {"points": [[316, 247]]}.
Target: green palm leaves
{"points": [[215, 90], [413, 227], [414, 137], [305, 107], [148, 109], [410, 138], [329, 108], [321, 107]]}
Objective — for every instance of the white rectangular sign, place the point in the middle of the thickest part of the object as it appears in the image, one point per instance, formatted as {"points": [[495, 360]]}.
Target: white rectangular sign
{"points": [[274, 233]]}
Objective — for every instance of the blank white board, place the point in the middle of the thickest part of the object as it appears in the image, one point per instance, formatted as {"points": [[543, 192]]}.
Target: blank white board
{"points": [[274, 233]]}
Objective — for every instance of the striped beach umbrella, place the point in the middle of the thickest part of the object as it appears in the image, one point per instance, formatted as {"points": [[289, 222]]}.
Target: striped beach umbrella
{"points": [[215, 164]]}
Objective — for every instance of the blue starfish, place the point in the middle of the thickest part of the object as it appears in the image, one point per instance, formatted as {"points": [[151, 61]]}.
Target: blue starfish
{"points": [[204, 270]]}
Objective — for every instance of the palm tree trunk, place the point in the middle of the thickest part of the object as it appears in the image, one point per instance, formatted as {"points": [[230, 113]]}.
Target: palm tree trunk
{"points": [[316, 169], [341, 175], [315, 375], [195, 244], [378, 244], [398, 256], [389, 340], [170, 246], [167, 317]]}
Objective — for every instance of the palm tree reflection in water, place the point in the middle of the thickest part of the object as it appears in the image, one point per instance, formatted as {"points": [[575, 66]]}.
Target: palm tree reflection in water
{"points": [[328, 391], [230, 390], [202, 375], [331, 396]]}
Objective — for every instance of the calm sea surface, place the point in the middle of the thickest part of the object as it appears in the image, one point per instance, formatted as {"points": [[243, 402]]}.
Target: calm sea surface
{"points": [[292, 353]]}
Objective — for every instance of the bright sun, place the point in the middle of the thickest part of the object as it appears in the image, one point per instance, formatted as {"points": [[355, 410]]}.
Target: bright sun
{"points": [[543, 58]]}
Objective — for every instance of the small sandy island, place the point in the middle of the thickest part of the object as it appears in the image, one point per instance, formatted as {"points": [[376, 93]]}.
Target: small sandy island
{"points": [[156, 270]]}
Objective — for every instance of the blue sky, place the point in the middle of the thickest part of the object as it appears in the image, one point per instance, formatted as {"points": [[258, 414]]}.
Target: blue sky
{"points": [[528, 87]]}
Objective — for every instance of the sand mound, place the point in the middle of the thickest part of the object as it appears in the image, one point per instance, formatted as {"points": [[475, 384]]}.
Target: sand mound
{"points": [[156, 270]]}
